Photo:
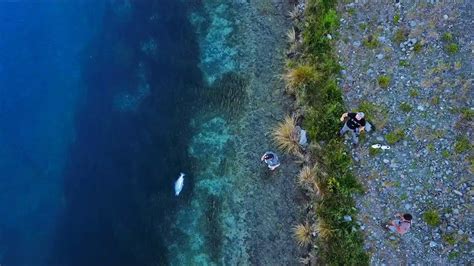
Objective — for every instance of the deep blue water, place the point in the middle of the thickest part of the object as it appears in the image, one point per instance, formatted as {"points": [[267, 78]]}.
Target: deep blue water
{"points": [[86, 178]]}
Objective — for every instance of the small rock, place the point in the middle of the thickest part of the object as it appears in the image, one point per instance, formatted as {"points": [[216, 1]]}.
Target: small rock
{"points": [[420, 108], [471, 239], [386, 161], [407, 206], [433, 244], [379, 56], [356, 43], [347, 218], [412, 24], [457, 192], [379, 138], [445, 17]]}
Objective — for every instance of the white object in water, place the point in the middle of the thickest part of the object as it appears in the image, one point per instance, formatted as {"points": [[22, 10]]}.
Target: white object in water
{"points": [[178, 185], [376, 146]]}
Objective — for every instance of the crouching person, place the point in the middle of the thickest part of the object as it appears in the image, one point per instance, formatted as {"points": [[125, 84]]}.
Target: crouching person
{"points": [[271, 159], [355, 123]]}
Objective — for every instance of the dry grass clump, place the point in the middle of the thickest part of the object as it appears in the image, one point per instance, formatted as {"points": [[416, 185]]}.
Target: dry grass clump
{"points": [[284, 137], [291, 35], [324, 230], [306, 177], [299, 76], [294, 14], [302, 234], [312, 179]]}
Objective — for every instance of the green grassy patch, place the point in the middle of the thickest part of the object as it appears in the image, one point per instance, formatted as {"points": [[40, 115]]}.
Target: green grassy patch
{"points": [[432, 218], [341, 244], [418, 47], [453, 255], [395, 136], [450, 239], [396, 18], [405, 107], [462, 144], [403, 63], [383, 81], [452, 48], [400, 35], [413, 92], [447, 37], [374, 152], [371, 42]]}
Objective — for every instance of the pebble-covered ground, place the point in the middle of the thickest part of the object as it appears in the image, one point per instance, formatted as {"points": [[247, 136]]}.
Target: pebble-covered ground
{"points": [[413, 61]]}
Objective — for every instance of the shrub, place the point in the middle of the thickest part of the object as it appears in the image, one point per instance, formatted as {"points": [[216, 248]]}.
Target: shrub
{"points": [[302, 234], [450, 239], [396, 18], [435, 100], [432, 218], [403, 63], [447, 37], [374, 152], [462, 144], [413, 92], [400, 35], [371, 42], [284, 137], [395, 136], [383, 81], [452, 48], [405, 107], [417, 47], [324, 230]]}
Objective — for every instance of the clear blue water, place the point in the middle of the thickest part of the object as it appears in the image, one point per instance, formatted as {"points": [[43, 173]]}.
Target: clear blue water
{"points": [[95, 101]]}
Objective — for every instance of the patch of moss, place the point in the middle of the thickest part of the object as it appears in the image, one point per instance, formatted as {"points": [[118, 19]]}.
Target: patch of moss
{"points": [[447, 37], [445, 154], [435, 100], [383, 81], [400, 35], [452, 48], [432, 218], [450, 239], [363, 26], [395, 136], [371, 42], [396, 18], [413, 92], [453, 255], [462, 144], [405, 107], [403, 63], [430, 147], [418, 47], [374, 152]]}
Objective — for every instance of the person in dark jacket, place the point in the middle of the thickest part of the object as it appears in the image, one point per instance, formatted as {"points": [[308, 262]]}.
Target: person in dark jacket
{"points": [[355, 122]]}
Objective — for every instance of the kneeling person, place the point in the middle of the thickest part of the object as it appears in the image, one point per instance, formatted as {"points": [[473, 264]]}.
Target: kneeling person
{"points": [[355, 123], [271, 159]]}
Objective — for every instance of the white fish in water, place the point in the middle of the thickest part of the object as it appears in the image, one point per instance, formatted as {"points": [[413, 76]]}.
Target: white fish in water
{"points": [[178, 185]]}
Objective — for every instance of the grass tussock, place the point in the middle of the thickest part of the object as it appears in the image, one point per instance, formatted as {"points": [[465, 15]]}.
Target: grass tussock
{"points": [[302, 234], [324, 230], [284, 136], [312, 78], [298, 77]]}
